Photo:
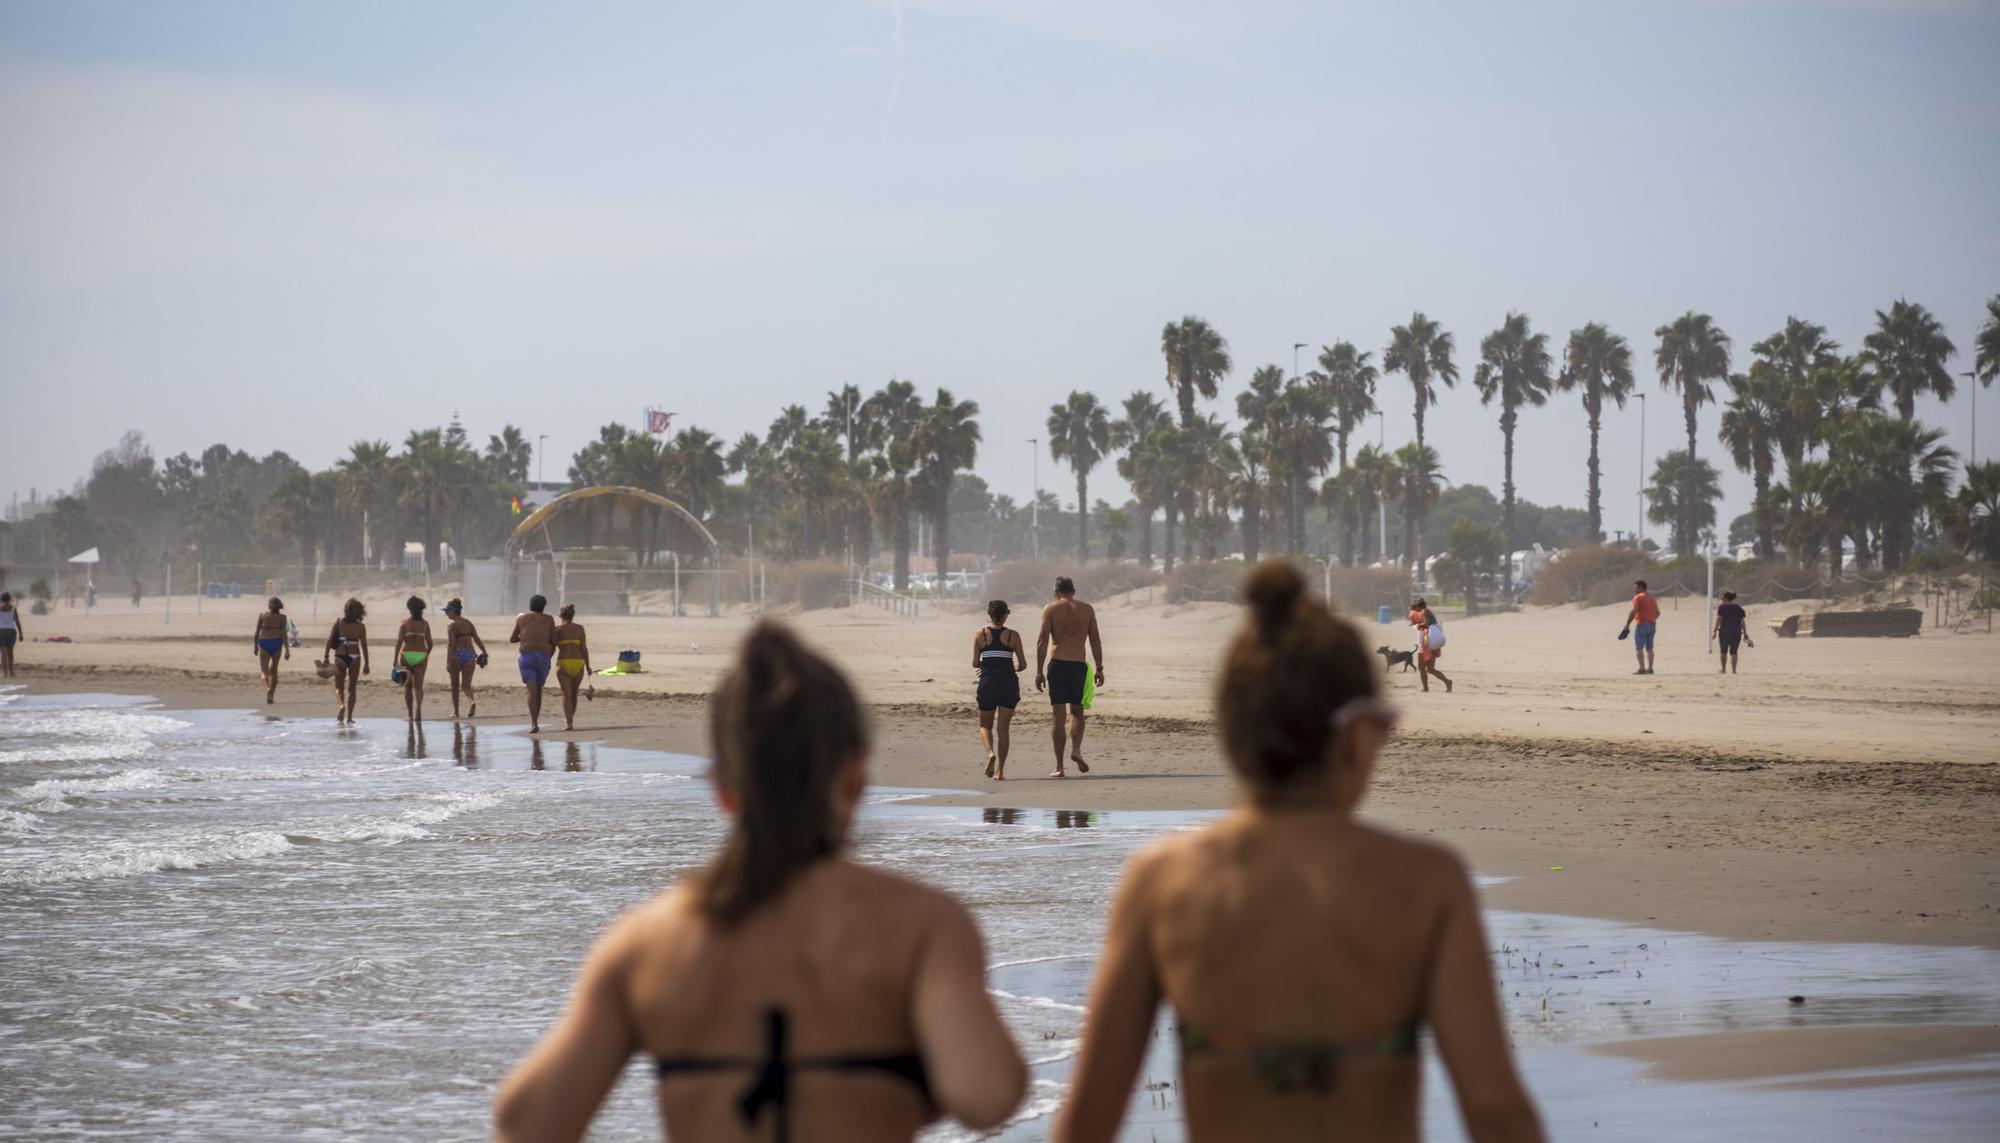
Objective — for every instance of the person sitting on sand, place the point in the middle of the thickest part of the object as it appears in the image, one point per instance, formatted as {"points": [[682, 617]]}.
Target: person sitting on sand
{"points": [[11, 632], [535, 631], [413, 654], [1430, 644], [998, 658], [269, 642], [1069, 624], [347, 643], [1303, 950], [782, 984], [1642, 621], [461, 637], [572, 661], [1728, 631]]}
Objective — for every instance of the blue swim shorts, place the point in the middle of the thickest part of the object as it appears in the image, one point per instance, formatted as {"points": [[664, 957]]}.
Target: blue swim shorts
{"points": [[535, 668], [1642, 637]]}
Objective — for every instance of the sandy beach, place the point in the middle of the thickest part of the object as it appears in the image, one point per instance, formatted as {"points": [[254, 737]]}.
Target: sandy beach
{"points": [[1835, 790]]}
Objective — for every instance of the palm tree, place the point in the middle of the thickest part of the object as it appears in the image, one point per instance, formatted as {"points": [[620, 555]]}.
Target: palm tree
{"points": [[1748, 432], [843, 418], [1883, 474], [1133, 433], [1693, 354], [1909, 350], [1254, 405], [1974, 514], [1422, 352], [889, 428], [695, 470], [1251, 484], [1117, 523], [1420, 479], [299, 508], [1810, 524], [811, 466], [1597, 363], [1799, 375], [510, 454], [1347, 378], [1197, 361], [1375, 476], [367, 490], [1987, 347], [1080, 433], [1301, 448], [1682, 495], [946, 440], [1514, 370], [427, 470], [1209, 465]]}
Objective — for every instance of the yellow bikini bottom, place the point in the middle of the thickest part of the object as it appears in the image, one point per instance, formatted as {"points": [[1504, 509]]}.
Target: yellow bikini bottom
{"points": [[570, 667]]}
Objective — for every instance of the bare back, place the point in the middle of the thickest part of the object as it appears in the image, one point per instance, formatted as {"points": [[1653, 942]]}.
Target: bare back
{"points": [[837, 952], [1071, 627], [535, 631]]}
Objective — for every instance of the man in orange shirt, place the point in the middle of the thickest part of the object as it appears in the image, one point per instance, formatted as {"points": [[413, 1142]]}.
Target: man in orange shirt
{"points": [[1641, 622]]}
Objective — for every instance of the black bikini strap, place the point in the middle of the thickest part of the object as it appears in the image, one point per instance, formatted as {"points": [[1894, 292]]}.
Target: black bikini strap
{"points": [[772, 1086]]}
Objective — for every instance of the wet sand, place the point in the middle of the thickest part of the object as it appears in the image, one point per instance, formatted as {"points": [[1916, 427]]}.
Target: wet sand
{"points": [[1836, 790], [1880, 1054]]}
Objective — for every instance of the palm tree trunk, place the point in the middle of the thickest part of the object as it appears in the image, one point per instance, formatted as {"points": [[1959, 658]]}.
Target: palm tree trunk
{"points": [[1146, 534], [1172, 510], [1687, 529], [941, 531], [900, 538], [1420, 420], [1253, 527], [1409, 536], [1596, 493], [1082, 517], [1767, 541], [1507, 509]]}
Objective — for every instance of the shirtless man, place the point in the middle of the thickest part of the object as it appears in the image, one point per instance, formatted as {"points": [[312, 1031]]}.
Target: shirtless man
{"points": [[1070, 624], [535, 631]]}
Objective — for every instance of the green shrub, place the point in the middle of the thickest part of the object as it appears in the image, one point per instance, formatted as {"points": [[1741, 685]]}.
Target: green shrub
{"points": [[1025, 583], [1217, 582], [1586, 573], [1360, 591]]}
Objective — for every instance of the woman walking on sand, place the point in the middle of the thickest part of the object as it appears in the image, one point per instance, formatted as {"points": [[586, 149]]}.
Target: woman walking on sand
{"points": [[412, 655], [347, 644], [572, 661], [1430, 644], [460, 660], [11, 632], [1302, 950], [885, 1027], [269, 641], [999, 657]]}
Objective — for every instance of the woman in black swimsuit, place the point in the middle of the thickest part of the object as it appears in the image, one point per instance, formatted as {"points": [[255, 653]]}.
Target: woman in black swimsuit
{"points": [[999, 657], [1301, 948], [782, 984], [347, 643]]}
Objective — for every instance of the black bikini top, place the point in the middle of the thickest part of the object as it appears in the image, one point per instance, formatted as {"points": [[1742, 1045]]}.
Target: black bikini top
{"points": [[771, 1086]]}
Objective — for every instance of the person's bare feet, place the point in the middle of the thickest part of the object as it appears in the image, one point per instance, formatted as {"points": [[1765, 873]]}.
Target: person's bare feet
{"points": [[1082, 767], [1447, 686], [991, 762], [1058, 774]]}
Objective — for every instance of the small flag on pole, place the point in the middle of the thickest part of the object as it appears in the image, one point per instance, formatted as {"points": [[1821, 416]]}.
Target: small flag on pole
{"points": [[658, 421], [517, 505]]}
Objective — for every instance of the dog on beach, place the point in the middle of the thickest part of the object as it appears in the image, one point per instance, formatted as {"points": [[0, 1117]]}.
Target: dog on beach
{"points": [[1391, 658]]}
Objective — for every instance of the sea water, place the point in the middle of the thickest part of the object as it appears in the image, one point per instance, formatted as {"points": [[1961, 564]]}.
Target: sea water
{"points": [[218, 925]]}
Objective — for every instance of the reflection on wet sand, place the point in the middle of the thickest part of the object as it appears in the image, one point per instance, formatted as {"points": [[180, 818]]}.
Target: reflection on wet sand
{"points": [[1061, 819], [413, 742], [572, 757], [465, 745]]}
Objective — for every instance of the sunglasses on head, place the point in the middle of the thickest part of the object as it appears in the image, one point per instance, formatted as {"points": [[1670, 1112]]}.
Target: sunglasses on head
{"points": [[1381, 713]]}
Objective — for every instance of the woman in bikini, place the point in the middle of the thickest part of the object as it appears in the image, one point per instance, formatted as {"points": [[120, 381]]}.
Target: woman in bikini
{"points": [[572, 661], [884, 1028], [413, 655], [269, 643], [347, 644], [460, 658], [1303, 950], [999, 657]]}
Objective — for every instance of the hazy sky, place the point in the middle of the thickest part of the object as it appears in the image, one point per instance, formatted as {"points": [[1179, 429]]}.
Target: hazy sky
{"points": [[291, 226]]}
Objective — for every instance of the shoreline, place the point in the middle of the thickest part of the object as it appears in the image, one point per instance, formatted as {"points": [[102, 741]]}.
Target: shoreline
{"points": [[1743, 846]]}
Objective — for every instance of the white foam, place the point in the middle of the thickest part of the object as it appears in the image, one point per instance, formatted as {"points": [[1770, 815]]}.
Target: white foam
{"points": [[1036, 1001], [141, 779], [407, 826], [128, 858]]}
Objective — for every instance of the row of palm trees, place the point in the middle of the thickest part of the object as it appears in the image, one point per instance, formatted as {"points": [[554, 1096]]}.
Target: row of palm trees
{"points": [[1799, 398]]}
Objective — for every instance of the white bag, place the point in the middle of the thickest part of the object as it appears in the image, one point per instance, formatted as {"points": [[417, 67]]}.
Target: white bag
{"points": [[1434, 637]]}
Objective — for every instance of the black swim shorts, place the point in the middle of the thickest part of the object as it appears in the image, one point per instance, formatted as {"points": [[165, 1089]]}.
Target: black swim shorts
{"points": [[999, 687], [1066, 682]]}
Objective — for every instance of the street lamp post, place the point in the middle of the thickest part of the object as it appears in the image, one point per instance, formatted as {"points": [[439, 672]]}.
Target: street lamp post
{"points": [[1974, 386], [1035, 509], [1381, 497], [1639, 537]]}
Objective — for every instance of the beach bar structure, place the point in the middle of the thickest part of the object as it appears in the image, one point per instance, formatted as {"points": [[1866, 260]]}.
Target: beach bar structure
{"points": [[586, 547]]}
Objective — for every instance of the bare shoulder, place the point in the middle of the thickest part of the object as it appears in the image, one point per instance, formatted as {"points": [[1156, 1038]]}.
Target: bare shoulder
{"points": [[1423, 863]]}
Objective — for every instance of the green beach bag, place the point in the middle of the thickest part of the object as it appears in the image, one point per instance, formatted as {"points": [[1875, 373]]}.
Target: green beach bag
{"points": [[1089, 687]]}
